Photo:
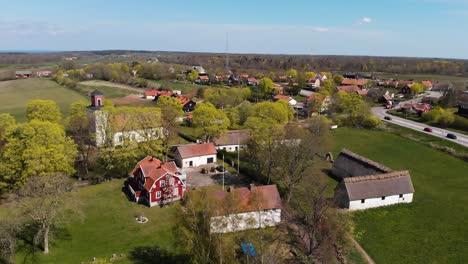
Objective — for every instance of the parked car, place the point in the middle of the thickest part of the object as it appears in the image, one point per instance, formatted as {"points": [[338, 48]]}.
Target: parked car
{"points": [[220, 168], [451, 136], [387, 118], [428, 129]]}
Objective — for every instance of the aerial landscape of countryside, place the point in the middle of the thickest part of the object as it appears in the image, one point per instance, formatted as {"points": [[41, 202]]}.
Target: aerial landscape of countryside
{"points": [[233, 132]]}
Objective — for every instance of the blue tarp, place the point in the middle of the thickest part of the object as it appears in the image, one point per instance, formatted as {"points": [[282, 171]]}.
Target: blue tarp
{"points": [[248, 249]]}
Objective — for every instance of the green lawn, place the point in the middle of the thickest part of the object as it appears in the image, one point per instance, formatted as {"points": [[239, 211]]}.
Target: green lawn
{"points": [[109, 227], [430, 230], [110, 90], [14, 95], [421, 77]]}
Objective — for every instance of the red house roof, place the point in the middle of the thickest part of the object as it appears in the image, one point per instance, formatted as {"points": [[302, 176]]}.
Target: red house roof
{"points": [[427, 83], [203, 77], [252, 199], [349, 88], [153, 169], [359, 82], [196, 150], [252, 80], [282, 97]]}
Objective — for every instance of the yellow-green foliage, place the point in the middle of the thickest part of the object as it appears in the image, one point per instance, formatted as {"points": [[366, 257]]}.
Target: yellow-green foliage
{"points": [[43, 110]]}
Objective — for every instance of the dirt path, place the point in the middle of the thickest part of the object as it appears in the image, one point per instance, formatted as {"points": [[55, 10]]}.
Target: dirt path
{"points": [[363, 252], [111, 84]]}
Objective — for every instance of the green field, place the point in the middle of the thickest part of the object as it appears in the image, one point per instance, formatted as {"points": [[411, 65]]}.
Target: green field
{"points": [[430, 230], [14, 95], [110, 90], [108, 227]]}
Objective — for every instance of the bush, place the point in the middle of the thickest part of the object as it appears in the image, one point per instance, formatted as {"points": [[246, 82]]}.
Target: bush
{"points": [[460, 123], [212, 169], [203, 170]]}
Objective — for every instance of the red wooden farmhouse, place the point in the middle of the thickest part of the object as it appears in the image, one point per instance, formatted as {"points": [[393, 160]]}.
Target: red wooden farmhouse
{"points": [[155, 183]]}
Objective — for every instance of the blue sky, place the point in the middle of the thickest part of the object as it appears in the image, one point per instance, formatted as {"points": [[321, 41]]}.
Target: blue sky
{"points": [[420, 28]]}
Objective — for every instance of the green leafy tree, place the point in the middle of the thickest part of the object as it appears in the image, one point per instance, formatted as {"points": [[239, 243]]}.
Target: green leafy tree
{"points": [[171, 112], [77, 126], [265, 88], [36, 148], [292, 73], [417, 88], [233, 114], [328, 74], [43, 110], [309, 75], [338, 79], [277, 111], [6, 122], [193, 75], [327, 87], [209, 122]]}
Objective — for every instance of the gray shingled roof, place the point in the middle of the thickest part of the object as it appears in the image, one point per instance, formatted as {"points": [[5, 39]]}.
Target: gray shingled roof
{"points": [[375, 186]]}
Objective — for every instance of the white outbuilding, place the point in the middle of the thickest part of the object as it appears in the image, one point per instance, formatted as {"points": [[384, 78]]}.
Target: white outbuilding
{"points": [[367, 184], [194, 155]]}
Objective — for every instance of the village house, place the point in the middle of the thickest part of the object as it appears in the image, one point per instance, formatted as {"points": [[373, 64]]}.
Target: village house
{"points": [[416, 108], [232, 140], [194, 155], [288, 99], [43, 73], [188, 104], [202, 79], [246, 208], [99, 125], [252, 82], [24, 74], [313, 83], [155, 183], [361, 83], [367, 184], [318, 102], [427, 84], [351, 89], [278, 89], [199, 69], [463, 105]]}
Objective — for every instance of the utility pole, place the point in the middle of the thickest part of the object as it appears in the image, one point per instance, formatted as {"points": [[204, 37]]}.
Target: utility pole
{"points": [[238, 156], [227, 53], [223, 172]]}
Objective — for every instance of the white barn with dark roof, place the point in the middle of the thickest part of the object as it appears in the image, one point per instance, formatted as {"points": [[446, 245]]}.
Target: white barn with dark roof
{"points": [[368, 184]]}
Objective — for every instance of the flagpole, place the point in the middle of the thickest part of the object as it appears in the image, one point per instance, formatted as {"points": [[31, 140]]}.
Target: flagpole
{"points": [[223, 172]]}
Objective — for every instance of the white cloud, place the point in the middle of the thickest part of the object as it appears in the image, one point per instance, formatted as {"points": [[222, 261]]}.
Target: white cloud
{"points": [[366, 20]]}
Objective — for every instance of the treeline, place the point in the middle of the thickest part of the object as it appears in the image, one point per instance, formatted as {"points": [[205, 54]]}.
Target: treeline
{"points": [[212, 61], [400, 65]]}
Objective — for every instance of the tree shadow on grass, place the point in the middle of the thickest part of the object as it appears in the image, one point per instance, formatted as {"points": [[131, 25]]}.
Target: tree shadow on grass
{"points": [[29, 246], [144, 255]]}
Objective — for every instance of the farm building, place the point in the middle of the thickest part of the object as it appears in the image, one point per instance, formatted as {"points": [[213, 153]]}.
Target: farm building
{"points": [[23, 74], [286, 98], [232, 140], [43, 73], [155, 183], [367, 184], [194, 155], [246, 208]]}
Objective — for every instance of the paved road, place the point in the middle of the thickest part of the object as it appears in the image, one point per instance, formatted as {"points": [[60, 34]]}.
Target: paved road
{"points": [[438, 132]]}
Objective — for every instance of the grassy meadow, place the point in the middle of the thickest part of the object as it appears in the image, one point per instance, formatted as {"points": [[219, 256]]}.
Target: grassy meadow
{"points": [[15, 95], [108, 227], [433, 228]]}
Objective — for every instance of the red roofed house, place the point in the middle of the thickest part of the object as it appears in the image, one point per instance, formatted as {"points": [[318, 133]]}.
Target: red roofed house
{"points": [[252, 82], [427, 84], [286, 98], [416, 108], [202, 79], [194, 155], [246, 208], [359, 82], [155, 183], [352, 89], [43, 73], [278, 89]]}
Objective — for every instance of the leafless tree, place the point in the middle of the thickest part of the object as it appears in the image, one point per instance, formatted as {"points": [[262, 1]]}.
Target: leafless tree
{"points": [[45, 201], [9, 230]]}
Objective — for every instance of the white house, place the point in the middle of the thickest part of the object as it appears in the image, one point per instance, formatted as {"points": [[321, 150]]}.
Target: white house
{"points": [[232, 140], [288, 99], [367, 184], [362, 192], [246, 208], [194, 155]]}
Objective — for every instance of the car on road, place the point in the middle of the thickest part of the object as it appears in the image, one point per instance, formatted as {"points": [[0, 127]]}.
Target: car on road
{"points": [[451, 136], [428, 129], [387, 118], [220, 169]]}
